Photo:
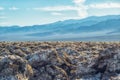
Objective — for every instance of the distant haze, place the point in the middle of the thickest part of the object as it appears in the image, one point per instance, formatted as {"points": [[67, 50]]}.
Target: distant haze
{"points": [[105, 28]]}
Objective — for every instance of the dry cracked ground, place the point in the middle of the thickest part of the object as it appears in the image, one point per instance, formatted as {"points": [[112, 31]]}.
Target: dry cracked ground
{"points": [[59, 60]]}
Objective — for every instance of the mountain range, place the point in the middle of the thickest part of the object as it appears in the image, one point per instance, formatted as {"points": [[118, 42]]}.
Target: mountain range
{"points": [[103, 28]]}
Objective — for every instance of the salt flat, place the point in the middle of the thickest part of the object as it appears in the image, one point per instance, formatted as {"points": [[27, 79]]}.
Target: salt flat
{"points": [[59, 60]]}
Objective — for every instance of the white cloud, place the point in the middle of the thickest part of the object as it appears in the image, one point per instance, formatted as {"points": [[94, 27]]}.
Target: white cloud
{"points": [[56, 13], [81, 8], [105, 5], [78, 1], [1, 8], [13, 8], [57, 8]]}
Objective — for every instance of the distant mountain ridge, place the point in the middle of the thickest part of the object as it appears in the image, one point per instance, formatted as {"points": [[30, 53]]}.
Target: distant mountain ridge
{"points": [[91, 28]]}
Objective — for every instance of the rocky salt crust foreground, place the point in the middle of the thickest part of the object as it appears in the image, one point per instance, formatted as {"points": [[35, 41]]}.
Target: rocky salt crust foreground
{"points": [[59, 60]]}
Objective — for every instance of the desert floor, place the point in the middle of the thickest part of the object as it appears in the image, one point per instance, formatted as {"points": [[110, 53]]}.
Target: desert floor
{"points": [[59, 60]]}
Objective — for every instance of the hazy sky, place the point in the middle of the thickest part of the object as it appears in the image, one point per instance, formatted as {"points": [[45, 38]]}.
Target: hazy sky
{"points": [[34, 12]]}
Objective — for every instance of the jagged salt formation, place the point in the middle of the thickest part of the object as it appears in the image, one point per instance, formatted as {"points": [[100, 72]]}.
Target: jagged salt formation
{"points": [[60, 61], [13, 67]]}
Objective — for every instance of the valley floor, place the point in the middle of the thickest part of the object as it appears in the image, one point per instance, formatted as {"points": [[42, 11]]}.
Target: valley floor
{"points": [[59, 60]]}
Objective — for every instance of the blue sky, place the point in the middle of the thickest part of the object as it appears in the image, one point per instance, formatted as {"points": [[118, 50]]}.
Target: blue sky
{"points": [[34, 12]]}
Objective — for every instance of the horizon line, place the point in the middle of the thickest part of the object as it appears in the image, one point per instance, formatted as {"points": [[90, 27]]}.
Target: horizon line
{"points": [[17, 25]]}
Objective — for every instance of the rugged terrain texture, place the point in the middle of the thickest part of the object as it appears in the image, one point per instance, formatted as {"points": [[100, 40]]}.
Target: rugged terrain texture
{"points": [[59, 60]]}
